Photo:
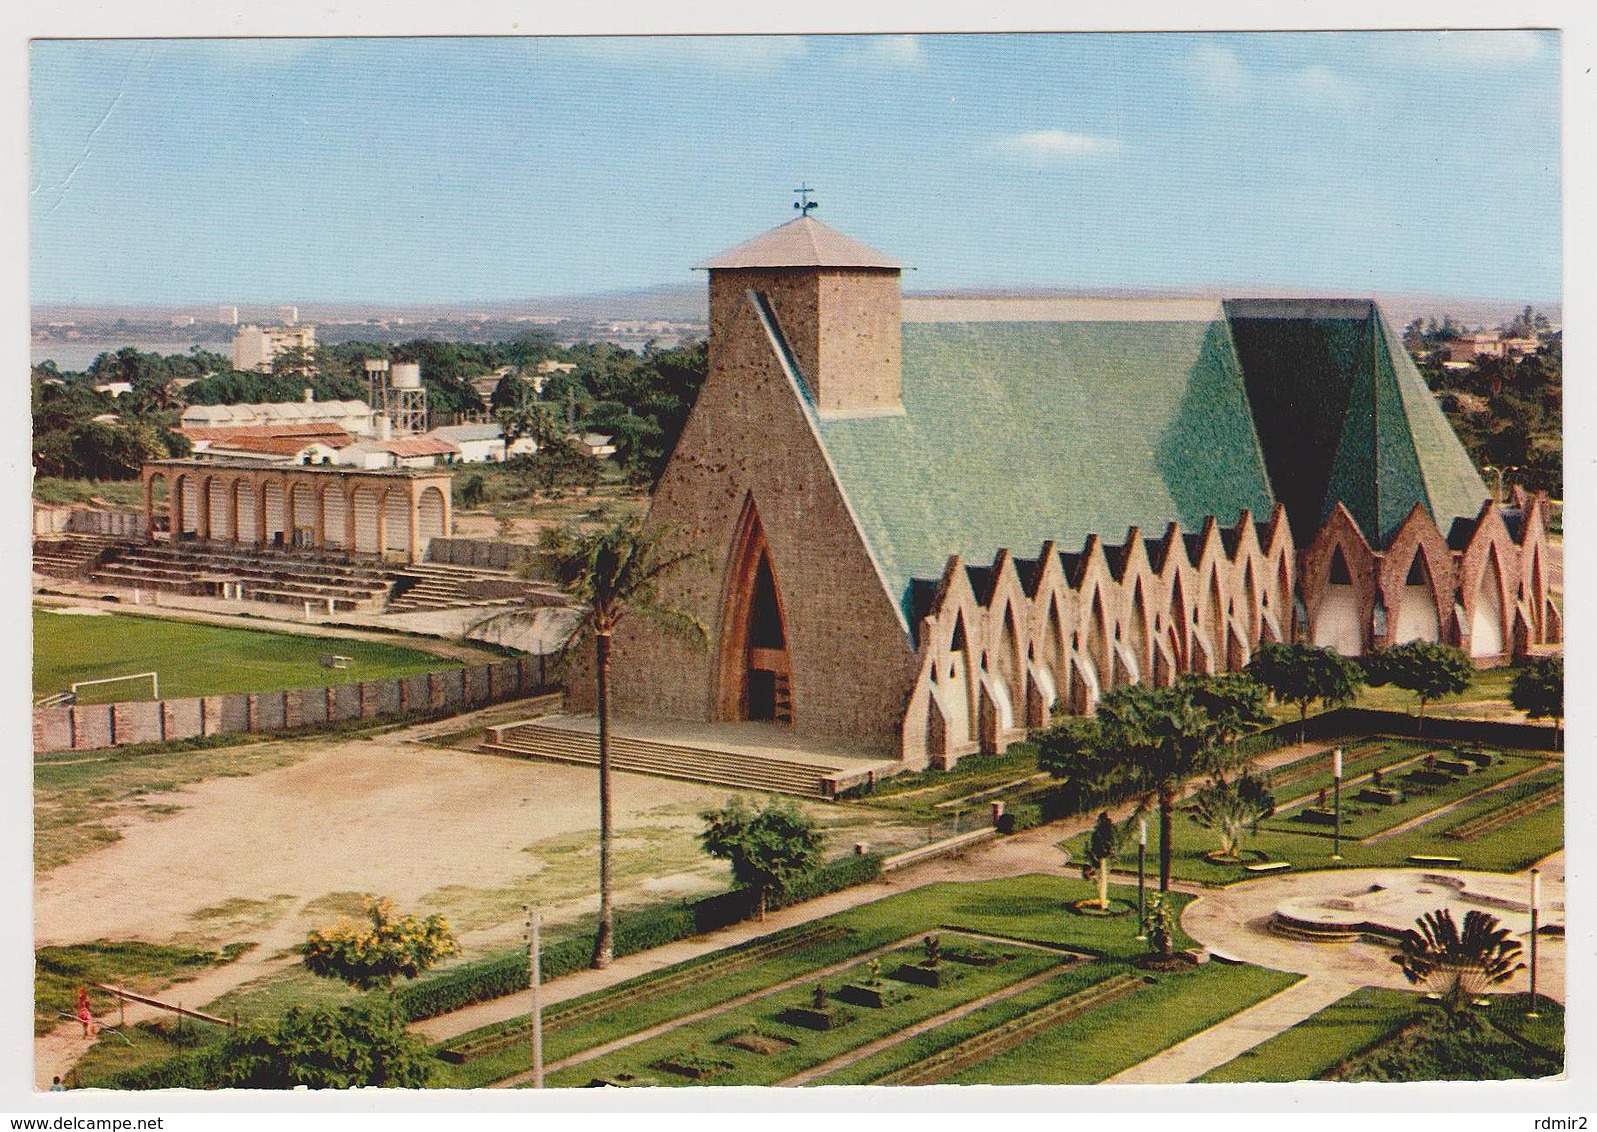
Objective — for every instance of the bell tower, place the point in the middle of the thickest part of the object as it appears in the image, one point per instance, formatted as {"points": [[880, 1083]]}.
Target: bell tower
{"points": [[836, 303]]}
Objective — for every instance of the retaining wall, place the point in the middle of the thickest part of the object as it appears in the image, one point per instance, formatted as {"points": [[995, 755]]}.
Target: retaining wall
{"points": [[1367, 721], [86, 727], [489, 554]]}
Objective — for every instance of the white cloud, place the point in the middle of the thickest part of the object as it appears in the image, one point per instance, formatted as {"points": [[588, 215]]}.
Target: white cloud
{"points": [[1220, 73], [1321, 84], [889, 51], [1052, 147]]}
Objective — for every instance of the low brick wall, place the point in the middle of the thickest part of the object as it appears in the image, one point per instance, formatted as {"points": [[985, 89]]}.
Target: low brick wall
{"points": [[484, 553], [88, 727]]}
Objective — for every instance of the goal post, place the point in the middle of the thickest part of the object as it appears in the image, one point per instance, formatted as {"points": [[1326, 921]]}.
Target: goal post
{"points": [[153, 677]]}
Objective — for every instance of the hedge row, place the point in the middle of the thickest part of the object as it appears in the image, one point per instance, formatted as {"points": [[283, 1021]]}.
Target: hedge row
{"points": [[642, 930], [200, 1069]]}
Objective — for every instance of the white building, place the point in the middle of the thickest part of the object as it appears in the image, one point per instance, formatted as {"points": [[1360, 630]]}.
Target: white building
{"points": [[254, 347], [355, 417], [482, 443]]}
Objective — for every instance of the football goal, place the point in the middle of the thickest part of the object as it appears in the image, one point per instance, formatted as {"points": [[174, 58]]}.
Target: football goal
{"points": [[153, 677]]}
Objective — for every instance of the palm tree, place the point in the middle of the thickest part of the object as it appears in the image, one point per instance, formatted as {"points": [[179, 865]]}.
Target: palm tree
{"points": [[610, 573], [1164, 739], [1458, 965]]}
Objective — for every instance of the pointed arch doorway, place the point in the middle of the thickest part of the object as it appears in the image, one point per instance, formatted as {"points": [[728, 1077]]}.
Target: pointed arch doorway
{"points": [[754, 673]]}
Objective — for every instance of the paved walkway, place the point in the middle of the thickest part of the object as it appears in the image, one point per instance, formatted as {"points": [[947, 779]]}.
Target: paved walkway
{"points": [[1190, 1059]]}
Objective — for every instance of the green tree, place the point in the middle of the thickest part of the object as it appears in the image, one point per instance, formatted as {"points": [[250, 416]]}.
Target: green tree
{"points": [[1103, 844], [1301, 674], [294, 361], [610, 574], [768, 848], [473, 490], [1146, 740], [346, 1047], [374, 954], [1538, 691], [1457, 965], [1235, 703], [1232, 809], [1427, 669]]}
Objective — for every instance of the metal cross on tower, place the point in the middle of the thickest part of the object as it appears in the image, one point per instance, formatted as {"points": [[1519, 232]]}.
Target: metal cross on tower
{"points": [[804, 203]]}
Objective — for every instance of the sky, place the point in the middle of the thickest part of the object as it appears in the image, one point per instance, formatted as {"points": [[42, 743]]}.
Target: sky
{"points": [[439, 170]]}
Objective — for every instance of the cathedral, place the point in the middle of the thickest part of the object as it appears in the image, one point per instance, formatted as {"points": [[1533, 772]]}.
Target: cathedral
{"points": [[926, 524]]}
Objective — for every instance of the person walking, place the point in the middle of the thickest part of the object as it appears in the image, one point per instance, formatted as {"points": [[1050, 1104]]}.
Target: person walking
{"points": [[84, 1014]]}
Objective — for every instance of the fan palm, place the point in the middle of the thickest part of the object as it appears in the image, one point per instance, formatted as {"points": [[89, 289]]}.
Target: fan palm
{"points": [[1458, 965]]}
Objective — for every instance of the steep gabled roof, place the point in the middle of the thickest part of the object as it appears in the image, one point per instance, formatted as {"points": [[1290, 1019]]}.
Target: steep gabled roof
{"points": [[804, 242], [1017, 431]]}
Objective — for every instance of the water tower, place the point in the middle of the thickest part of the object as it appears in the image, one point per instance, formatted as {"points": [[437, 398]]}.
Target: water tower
{"points": [[377, 385], [407, 399]]}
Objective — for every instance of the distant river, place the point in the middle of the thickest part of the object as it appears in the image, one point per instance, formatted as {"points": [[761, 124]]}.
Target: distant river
{"points": [[75, 356]]}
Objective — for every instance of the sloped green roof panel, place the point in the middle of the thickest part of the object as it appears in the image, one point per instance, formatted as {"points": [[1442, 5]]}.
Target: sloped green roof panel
{"points": [[1021, 431], [1377, 471], [1453, 487]]}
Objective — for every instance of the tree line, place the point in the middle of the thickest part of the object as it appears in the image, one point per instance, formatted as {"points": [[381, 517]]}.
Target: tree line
{"points": [[639, 398], [1508, 411]]}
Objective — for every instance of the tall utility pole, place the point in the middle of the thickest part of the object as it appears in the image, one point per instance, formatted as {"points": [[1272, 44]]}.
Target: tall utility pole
{"points": [[535, 979]]}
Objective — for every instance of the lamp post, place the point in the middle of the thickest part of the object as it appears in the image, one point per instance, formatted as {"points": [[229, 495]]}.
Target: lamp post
{"points": [[1535, 922], [535, 976], [1142, 861], [1336, 782]]}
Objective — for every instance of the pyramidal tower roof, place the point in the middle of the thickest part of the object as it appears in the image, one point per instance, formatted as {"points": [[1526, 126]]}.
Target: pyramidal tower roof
{"points": [[804, 242]]}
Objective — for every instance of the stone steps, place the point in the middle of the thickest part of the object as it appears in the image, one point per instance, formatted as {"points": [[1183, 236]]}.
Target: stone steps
{"points": [[734, 769]]}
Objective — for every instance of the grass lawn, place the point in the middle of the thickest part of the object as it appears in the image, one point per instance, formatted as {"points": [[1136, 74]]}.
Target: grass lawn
{"points": [[1325, 1040], [199, 660], [1485, 698], [1365, 819], [125, 493], [1509, 848], [1492, 1045], [705, 1038], [1130, 1030], [1030, 908], [146, 968], [890, 1060]]}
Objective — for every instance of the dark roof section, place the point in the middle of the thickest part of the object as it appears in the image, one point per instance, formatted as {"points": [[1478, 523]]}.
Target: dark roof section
{"points": [[982, 581], [922, 601], [804, 242], [1029, 571], [1514, 520], [1459, 534], [1117, 557]]}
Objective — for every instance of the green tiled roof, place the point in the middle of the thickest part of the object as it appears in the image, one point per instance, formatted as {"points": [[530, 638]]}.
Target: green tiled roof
{"points": [[1021, 431], [1345, 417]]}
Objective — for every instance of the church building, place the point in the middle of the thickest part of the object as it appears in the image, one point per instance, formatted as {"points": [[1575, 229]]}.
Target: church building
{"points": [[928, 523]]}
